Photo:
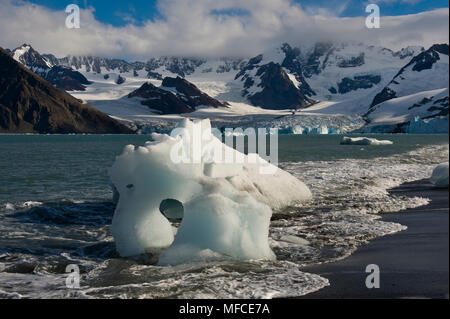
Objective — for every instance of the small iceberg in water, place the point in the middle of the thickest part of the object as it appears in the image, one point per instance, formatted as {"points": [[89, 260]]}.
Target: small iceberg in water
{"points": [[225, 207], [364, 141]]}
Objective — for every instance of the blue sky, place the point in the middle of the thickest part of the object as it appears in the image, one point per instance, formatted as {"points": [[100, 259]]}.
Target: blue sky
{"points": [[120, 13]]}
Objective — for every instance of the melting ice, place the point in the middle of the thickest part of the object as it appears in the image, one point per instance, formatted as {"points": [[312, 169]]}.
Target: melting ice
{"points": [[227, 206]]}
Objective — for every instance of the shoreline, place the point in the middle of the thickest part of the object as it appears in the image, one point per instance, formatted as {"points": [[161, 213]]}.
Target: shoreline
{"points": [[413, 263]]}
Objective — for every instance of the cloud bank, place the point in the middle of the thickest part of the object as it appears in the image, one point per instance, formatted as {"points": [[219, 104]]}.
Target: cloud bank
{"points": [[210, 28]]}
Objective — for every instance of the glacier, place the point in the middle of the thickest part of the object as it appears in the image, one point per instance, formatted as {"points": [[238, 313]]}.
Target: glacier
{"points": [[227, 206], [428, 126]]}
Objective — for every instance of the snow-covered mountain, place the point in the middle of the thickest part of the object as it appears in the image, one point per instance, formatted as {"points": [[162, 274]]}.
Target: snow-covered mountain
{"points": [[323, 81], [348, 75], [426, 71], [60, 76], [154, 68], [269, 86], [32, 59], [323, 72], [419, 91], [29, 104]]}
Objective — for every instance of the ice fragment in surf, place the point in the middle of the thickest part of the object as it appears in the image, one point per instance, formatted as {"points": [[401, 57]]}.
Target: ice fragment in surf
{"points": [[440, 176], [227, 207]]}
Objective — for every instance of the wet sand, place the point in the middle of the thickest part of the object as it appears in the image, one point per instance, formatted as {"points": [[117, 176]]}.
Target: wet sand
{"points": [[413, 263]]}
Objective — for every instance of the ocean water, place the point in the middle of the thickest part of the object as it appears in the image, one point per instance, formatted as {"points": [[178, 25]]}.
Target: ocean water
{"points": [[56, 210]]}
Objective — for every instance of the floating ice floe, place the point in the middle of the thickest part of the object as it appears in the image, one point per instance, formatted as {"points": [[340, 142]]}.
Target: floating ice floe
{"points": [[440, 176], [227, 206], [364, 141]]}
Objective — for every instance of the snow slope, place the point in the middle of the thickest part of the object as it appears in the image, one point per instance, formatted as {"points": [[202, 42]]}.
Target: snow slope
{"points": [[426, 71], [427, 104], [354, 72]]}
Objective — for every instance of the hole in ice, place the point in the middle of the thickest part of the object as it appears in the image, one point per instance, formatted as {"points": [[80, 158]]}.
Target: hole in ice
{"points": [[172, 209]]}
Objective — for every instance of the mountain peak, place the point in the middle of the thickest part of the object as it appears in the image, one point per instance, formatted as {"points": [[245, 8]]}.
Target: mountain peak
{"points": [[29, 57], [442, 48], [29, 104], [270, 87]]}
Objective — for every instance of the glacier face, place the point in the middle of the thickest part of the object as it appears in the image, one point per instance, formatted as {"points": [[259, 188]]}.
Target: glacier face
{"points": [[430, 126]]}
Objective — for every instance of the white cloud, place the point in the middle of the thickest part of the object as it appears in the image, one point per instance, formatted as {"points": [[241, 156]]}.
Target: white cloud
{"points": [[191, 28]]}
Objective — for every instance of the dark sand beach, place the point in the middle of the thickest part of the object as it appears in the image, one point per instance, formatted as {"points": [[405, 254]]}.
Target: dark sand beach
{"points": [[413, 263]]}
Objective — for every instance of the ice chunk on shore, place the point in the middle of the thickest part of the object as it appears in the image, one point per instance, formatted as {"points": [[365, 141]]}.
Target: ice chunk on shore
{"points": [[364, 141], [440, 176], [227, 206]]}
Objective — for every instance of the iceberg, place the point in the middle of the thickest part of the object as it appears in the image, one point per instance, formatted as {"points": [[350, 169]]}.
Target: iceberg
{"points": [[226, 207], [364, 141], [439, 178]]}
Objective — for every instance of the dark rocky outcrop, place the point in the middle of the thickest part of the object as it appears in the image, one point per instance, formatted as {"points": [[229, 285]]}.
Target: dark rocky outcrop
{"points": [[277, 91], [120, 80], [66, 79], [293, 63], [154, 75], [251, 64], [175, 96], [352, 62], [188, 92], [29, 104], [358, 82], [386, 94], [312, 64], [160, 100]]}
